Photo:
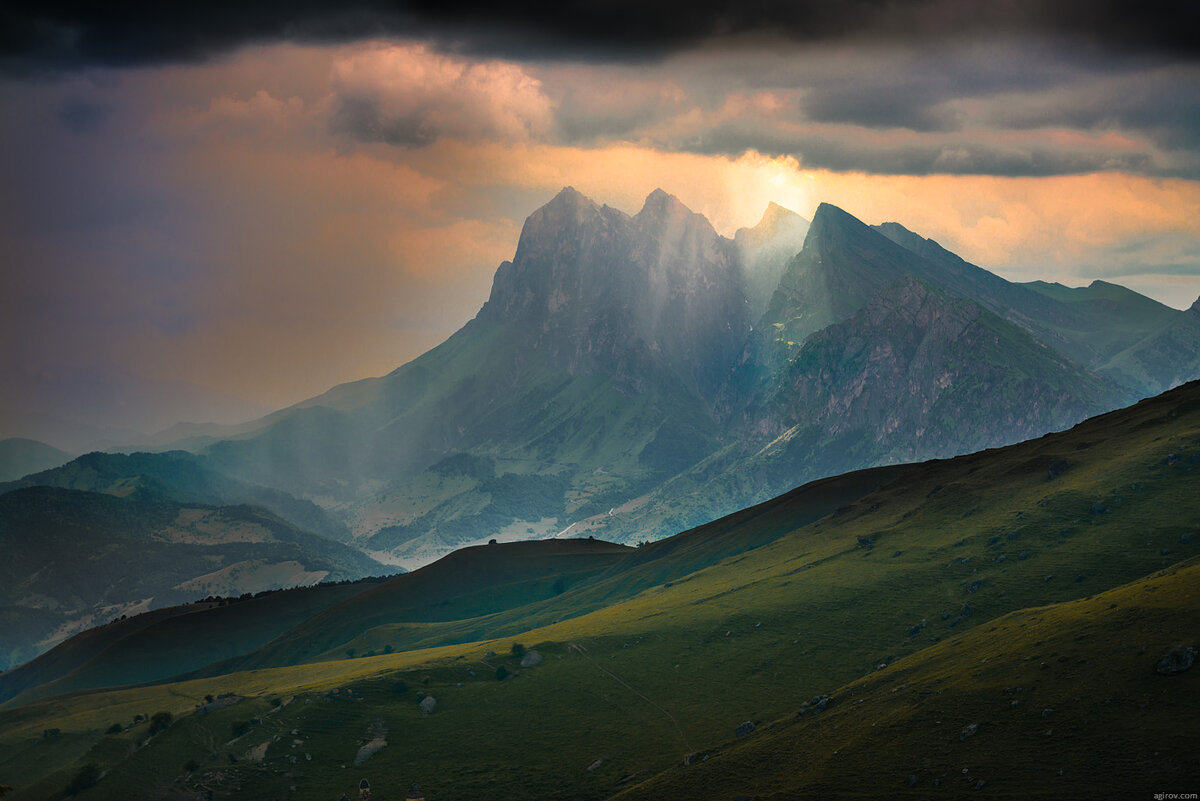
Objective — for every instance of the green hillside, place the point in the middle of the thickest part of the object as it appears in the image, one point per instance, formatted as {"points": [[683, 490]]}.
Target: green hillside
{"points": [[1060, 701], [167, 642], [917, 572]]}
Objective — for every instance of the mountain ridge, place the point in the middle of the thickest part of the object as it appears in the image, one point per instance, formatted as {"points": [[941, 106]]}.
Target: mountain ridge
{"points": [[620, 356]]}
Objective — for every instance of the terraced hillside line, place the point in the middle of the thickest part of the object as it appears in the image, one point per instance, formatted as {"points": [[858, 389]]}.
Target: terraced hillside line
{"points": [[574, 646]]}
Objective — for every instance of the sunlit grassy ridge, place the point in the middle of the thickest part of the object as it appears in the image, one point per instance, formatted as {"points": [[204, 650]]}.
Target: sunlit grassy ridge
{"points": [[1060, 701], [649, 662]]}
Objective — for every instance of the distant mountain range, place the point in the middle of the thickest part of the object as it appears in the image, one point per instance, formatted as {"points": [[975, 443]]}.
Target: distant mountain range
{"points": [[631, 376], [20, 457]]}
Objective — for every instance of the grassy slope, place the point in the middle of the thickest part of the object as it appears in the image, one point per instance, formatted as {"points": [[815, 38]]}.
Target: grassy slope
{"points": [[674, 669], [1066, 699], [166, 642], [464, 585]]}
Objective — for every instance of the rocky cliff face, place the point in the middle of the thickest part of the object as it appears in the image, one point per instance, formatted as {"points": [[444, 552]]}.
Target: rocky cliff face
{"points": [[918, 374], [601, 291]]}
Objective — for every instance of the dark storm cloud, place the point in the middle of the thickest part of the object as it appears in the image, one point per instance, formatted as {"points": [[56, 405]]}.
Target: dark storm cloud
{"points": [[38, 34], [966, 157]]}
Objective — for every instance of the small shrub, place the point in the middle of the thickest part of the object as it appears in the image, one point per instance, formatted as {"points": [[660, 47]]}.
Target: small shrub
{"points": [[208, 699], [518, 650], [50, 734], [85, 777], [191, 766], [159, 722], [240, 727], [400, 687], [501, 673], [116, 728]]}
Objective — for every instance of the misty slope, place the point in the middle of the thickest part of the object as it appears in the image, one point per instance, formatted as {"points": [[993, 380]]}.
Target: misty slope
{"points": [[620, 380], [75, 558], [20, 457], [593, 371], [930, 555], [176, 476]]}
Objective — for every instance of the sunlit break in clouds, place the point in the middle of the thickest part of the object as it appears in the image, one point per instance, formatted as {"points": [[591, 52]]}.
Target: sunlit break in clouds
{"points": [[238, 218]]}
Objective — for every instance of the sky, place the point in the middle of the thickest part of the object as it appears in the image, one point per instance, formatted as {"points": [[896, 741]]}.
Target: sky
{"points": [[208, 211]]}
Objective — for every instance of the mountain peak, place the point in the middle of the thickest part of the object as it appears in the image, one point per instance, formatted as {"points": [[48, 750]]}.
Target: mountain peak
{"points": [[569, 198], [1195, 307], [775, 218], [831, 224], [829, 214], [660, 205]]}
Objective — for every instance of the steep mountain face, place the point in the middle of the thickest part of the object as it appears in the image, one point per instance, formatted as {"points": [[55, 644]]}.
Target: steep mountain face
{"points": [[1166, 358], [766, 249], [602, 292], [596, 369], [841, 267], [918, 374], [620, 379], [73, 559]]}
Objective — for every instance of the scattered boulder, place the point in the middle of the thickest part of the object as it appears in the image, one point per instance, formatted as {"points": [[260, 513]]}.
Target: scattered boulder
{"points": [[1023, 555], [1177, 660], [816, 705], [743, 729], [531, 659], [1056, 469], [974, 586], [597, 764], [866, 542], [691, 759], [969, 731], [368, 750], [427, 704], [1099, 508]]}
